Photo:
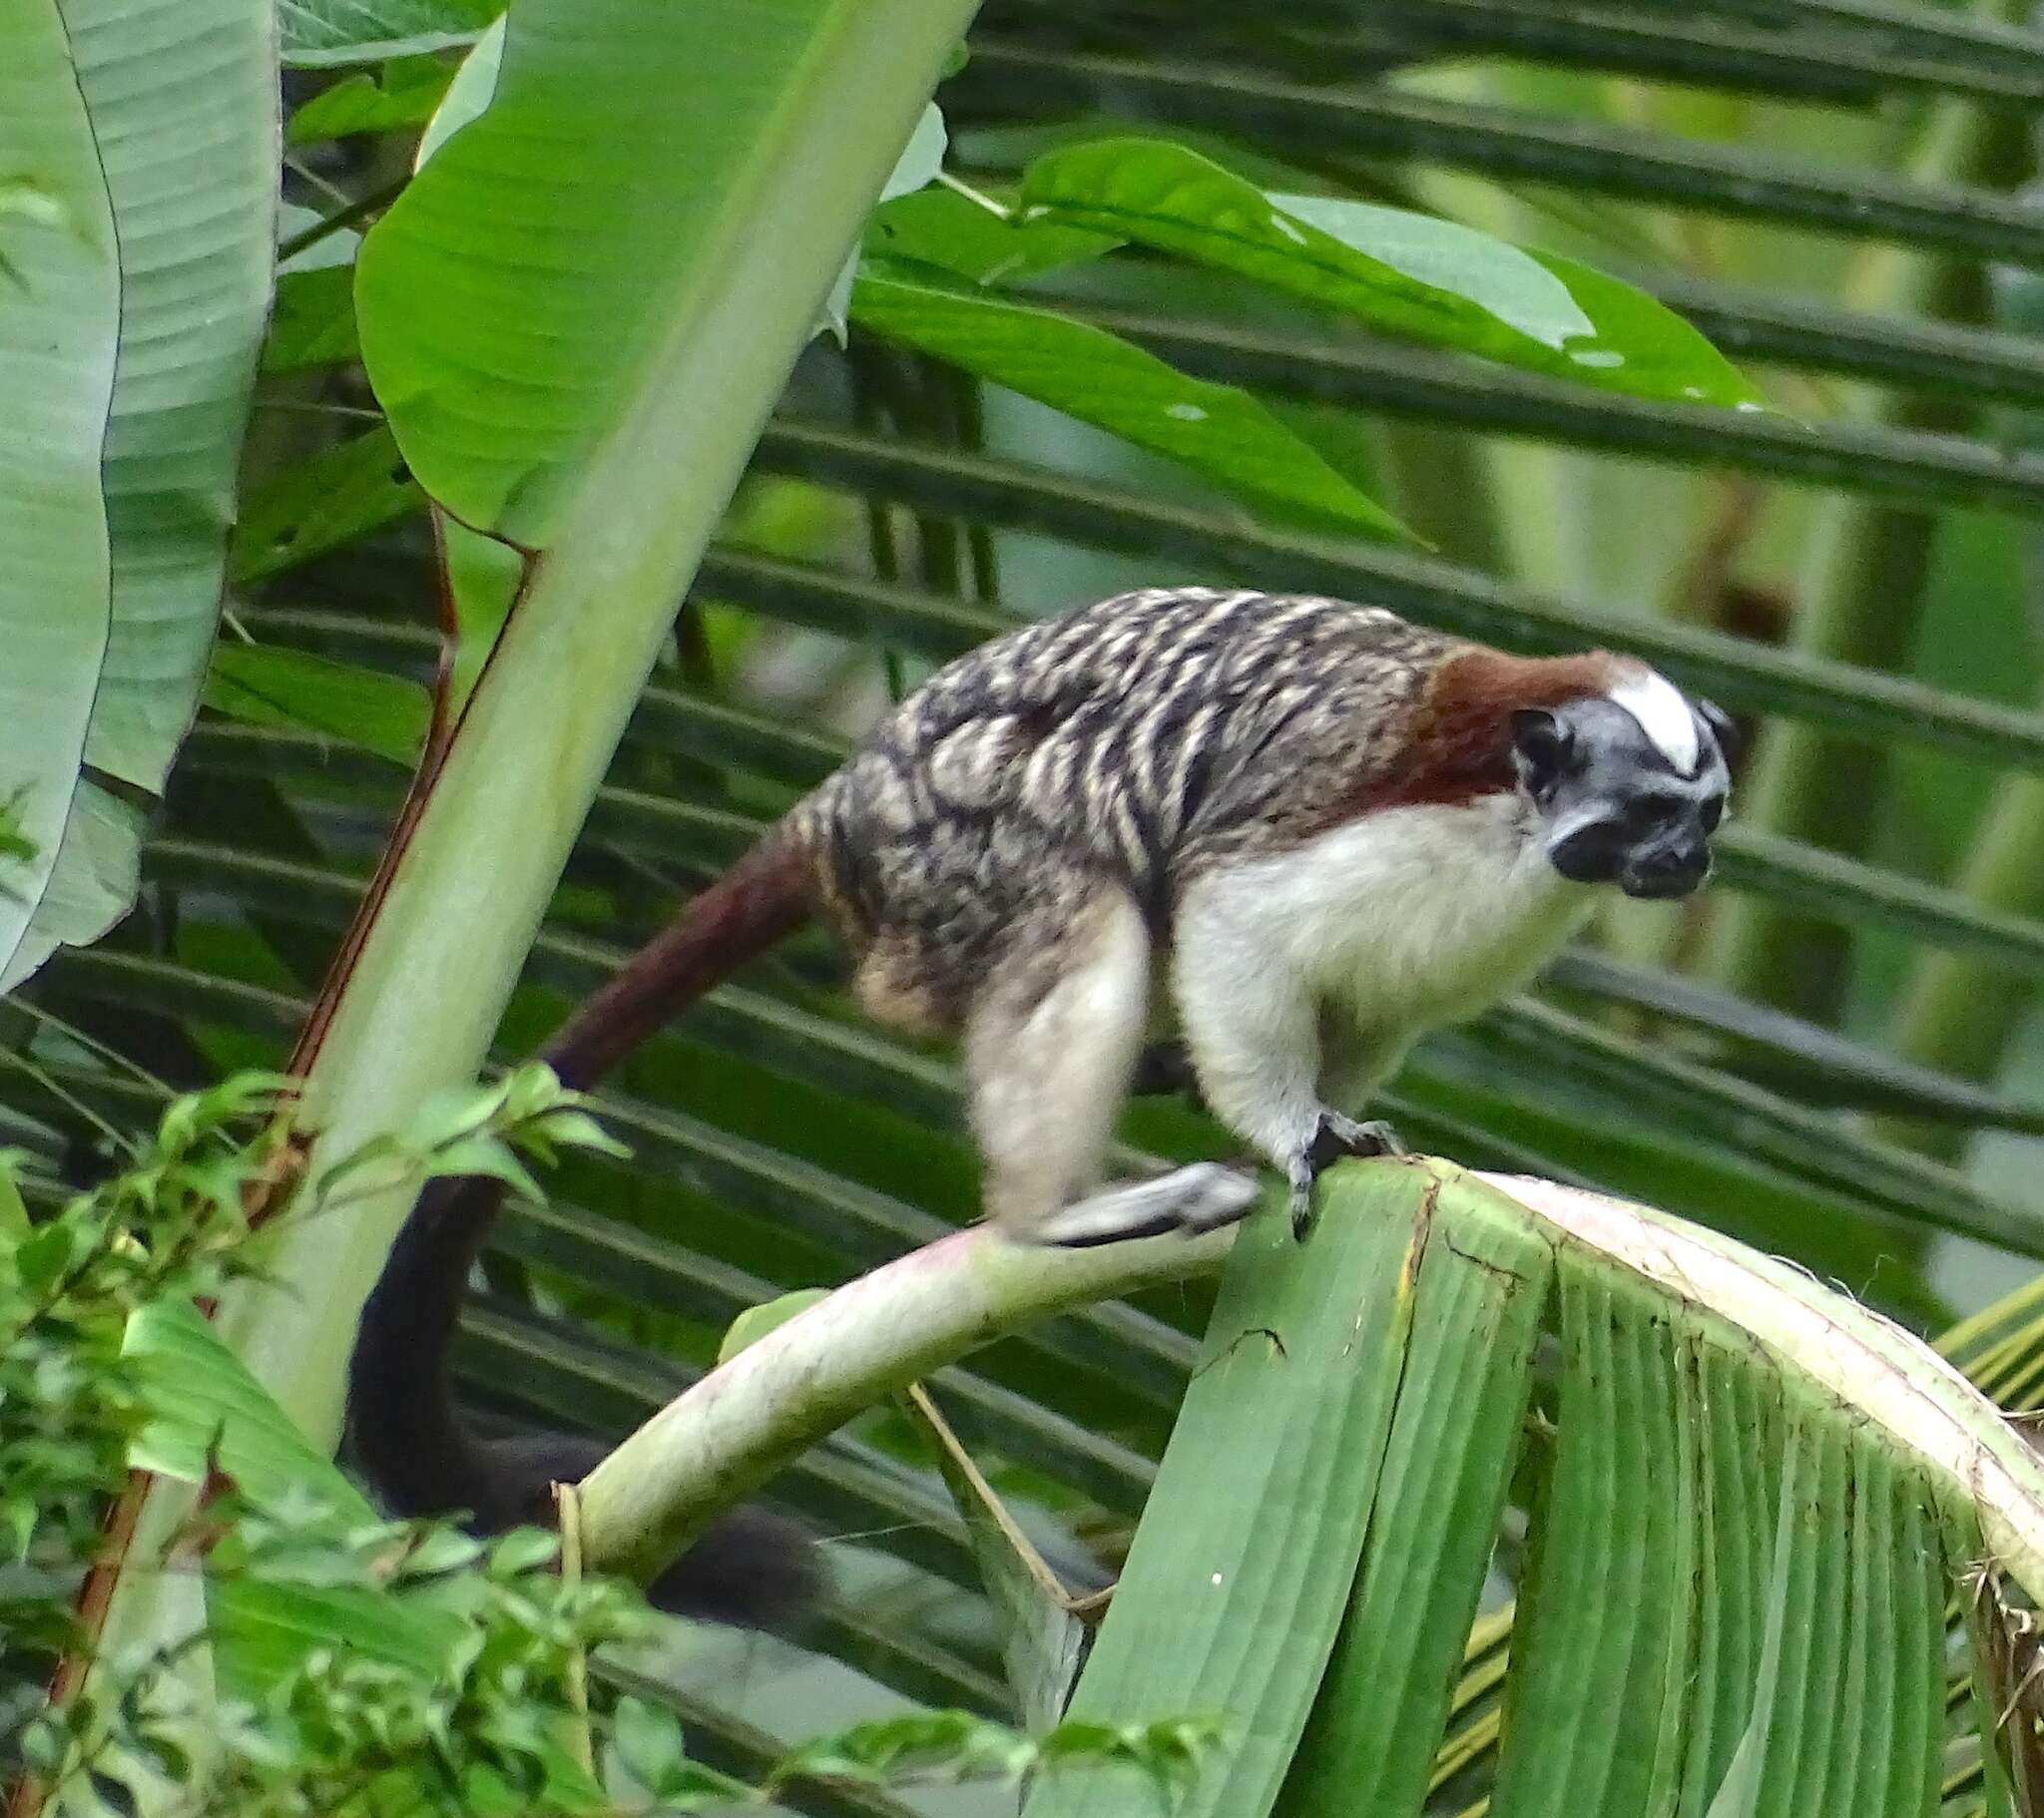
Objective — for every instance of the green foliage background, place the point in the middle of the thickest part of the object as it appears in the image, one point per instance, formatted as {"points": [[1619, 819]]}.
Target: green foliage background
{"points": [[1837, 1057]]}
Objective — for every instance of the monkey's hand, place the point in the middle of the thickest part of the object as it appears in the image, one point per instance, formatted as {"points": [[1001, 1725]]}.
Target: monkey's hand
{"points": [[1334, 1138]]}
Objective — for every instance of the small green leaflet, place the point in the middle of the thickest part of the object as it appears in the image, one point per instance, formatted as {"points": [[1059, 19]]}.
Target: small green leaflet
{"points": [[404, 93], [266, 684], [335, 496], [941, 228], [1216, 430]]}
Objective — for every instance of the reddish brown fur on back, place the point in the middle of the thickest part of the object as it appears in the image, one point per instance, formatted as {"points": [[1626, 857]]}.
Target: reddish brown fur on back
{"points": [[1460, 738]]}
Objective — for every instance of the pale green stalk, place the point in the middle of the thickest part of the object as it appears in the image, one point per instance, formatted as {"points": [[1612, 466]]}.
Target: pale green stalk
{"points": [[854, 1348], [419, 1009], [424, 995]]}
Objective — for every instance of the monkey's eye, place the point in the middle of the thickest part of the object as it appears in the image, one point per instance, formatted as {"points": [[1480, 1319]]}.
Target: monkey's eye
{"points": [[1646, 812]]}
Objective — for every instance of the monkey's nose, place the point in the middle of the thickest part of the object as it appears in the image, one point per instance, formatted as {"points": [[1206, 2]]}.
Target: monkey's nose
{"points": [[1669, 871]]}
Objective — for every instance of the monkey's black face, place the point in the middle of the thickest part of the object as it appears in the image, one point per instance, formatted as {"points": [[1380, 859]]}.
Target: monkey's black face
{"points": [[1621, 804]]}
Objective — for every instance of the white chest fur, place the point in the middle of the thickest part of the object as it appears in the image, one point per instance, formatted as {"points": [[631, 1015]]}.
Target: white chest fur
{"points": [[1406, 917]]}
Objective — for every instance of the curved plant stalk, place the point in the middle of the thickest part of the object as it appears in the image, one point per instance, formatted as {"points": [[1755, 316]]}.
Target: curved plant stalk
{"points": [[867, 1341]]}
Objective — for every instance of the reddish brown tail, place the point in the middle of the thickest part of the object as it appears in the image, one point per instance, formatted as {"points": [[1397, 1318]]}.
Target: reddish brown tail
{"points": [[404, 1430], [760, 900]]}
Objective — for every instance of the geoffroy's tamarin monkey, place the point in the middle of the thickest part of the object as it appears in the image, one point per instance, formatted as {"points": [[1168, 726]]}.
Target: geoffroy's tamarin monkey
{"points": [[1327, 829]]}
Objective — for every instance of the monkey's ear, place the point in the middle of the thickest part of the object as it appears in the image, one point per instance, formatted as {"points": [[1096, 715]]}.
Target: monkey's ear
{"points": [[1542, 743], [1721, 728]]}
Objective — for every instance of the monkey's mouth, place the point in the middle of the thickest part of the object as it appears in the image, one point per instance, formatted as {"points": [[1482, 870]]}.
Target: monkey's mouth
{"points": [[1666, 874]]}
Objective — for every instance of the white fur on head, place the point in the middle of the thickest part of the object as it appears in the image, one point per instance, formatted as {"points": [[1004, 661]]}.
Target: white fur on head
{"points": [[1663, 713]]}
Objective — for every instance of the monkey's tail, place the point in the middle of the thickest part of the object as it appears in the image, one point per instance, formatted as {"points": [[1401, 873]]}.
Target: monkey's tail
{"points": [[751, 1569]]}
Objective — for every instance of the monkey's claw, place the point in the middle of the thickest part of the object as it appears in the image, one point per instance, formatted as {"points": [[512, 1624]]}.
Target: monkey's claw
{"points": [[1300, 1173], [1338, 1136], [1334, 1138]]}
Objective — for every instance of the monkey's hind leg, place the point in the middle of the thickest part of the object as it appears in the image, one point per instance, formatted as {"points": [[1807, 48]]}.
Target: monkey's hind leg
{"points": [[1049, 1047]]}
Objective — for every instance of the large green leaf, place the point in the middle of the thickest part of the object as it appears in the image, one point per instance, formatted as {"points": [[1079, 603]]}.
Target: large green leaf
{"points": [[2001, 1350], [1432, 280], [186, 124], [1232, 1608], [1660, 1576], [181, 146], [499, 361], [60, 300]]}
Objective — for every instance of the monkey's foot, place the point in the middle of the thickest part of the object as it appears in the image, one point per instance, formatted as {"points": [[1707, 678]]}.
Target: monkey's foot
{"points": [[1202, 1197], [1334, 1138]]}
